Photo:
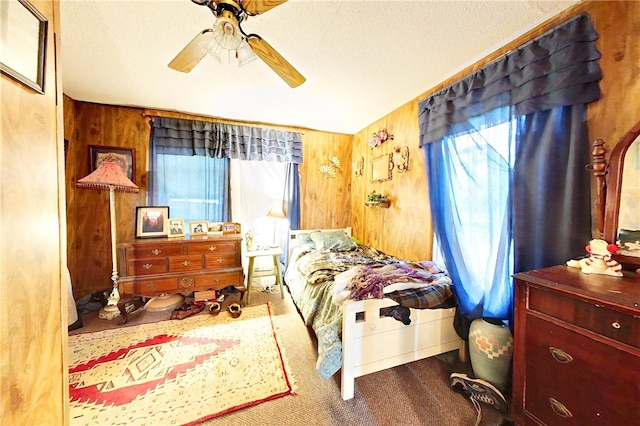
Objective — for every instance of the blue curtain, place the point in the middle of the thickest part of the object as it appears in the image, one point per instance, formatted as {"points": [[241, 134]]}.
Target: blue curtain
{"points": [[469, 177], [529, 198], [551, 188]]}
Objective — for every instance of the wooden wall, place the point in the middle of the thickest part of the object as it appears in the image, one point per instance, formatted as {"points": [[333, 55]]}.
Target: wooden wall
{"points": [[33, 297], [404, 229]]}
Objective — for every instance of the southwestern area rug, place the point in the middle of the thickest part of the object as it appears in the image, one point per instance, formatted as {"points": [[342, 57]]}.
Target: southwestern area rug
{"points": [[177, 371]]}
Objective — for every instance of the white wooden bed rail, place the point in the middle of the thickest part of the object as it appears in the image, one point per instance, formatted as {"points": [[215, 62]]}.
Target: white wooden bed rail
{"points": [[373, 343]]}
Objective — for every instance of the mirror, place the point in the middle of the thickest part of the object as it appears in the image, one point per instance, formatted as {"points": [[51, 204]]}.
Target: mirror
{"points": [[621, 218], [382, 168]]}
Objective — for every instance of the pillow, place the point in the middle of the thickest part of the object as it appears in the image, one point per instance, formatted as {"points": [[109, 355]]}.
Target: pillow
{"points": [[304, 240], [331, 240]]}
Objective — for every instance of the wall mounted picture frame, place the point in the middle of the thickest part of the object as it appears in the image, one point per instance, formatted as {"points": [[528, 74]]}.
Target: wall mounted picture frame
{"points": [[24, 43], [199, 228], [176, 228], [382, 168], [126, 157], [152, 221]]}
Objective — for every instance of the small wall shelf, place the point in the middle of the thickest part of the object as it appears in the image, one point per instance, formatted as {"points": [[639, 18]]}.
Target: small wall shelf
{"points": [[378, 204]]}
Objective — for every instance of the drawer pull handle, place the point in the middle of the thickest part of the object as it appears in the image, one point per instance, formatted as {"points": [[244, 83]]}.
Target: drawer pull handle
{"points": [[186, 262], [147, 266], [560, 355], [220, 260], [151, 286], [156, 251], [616, 325], [212, 248], [559, 408]]}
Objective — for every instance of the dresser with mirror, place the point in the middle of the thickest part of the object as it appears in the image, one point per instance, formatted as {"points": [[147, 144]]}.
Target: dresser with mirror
{"points": [[577, 335], [622, 202]]}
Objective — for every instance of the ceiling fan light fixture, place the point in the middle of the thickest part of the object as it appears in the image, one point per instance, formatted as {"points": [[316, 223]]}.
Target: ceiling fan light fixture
{"points": [[245, 54], [225, 39]]}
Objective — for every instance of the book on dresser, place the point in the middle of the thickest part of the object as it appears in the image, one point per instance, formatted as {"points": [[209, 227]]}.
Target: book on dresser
{"points": [[576, 357], [156, 266]]}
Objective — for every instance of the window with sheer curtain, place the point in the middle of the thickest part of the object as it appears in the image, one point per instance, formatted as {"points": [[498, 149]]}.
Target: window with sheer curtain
{"points": [[506, 149], [216, 172]]}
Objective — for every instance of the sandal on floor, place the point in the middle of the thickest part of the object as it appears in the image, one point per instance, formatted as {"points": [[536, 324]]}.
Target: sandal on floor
{"points": [[235, 310], [214, 308], [186, 310]]}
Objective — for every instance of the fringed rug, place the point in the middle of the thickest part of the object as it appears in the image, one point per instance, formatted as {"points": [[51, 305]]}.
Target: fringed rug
{"points": [[176, 372]]}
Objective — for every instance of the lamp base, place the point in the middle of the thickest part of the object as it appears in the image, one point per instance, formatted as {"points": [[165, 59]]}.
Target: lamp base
{"points": [[164, 302], [109, 312]]}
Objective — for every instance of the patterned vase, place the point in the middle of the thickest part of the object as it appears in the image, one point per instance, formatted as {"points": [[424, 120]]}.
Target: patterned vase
{"points": [[490, 349]]}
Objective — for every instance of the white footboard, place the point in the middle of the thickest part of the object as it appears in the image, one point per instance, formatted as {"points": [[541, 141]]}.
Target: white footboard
{"points": [[373, 343]]}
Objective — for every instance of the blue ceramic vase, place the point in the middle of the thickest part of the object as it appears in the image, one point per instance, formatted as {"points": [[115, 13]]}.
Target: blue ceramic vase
{"points": [[491, 349]]}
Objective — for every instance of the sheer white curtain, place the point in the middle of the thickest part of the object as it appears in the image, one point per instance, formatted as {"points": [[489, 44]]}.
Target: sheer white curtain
{"points": [[256, 186]]}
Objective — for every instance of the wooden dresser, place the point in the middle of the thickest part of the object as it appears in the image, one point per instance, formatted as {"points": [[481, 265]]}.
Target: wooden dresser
{"points": [[576, 359], [154, 266]]}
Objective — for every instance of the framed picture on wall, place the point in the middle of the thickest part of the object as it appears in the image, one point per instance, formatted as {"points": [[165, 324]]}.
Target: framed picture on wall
{"points": [[152, 221], [124, 156], [24, 43]]}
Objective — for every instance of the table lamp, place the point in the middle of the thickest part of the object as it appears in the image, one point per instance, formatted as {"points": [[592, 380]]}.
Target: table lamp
{"points": [[276, 212], [110, 176]]}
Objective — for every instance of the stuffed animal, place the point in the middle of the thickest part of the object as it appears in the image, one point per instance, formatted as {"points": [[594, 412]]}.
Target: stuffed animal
{"points": [[599, 260]]}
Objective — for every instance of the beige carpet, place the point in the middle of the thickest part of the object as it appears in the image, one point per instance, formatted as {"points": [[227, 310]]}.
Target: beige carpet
{"points": [[413, 394], [176, 372]]}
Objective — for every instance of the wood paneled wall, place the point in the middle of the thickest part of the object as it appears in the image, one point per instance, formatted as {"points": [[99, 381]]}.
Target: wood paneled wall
{"points": [[404, 229], [33, 296]]}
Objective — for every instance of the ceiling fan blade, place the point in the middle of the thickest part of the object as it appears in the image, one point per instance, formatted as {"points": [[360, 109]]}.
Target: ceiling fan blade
{"points": [[256, 7], [192, 52], [275, 61]]}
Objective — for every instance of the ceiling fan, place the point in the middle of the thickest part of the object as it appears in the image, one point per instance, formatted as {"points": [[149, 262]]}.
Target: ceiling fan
{"points": [[226, 35]]}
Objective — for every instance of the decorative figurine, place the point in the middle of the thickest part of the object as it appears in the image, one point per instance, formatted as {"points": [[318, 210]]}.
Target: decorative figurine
{"points": [[599, 260]]}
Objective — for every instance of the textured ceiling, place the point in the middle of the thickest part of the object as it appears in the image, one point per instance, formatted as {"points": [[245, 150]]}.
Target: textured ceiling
{"points": [[362, 59]]}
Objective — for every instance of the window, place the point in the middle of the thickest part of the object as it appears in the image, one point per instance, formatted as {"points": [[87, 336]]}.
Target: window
{"points": [[194, 187]]}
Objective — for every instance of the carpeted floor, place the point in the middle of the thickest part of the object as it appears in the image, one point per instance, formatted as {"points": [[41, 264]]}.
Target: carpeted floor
{"points": [[412, 394]]}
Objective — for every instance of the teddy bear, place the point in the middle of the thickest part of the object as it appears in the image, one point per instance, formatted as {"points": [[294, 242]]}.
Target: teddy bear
{"points": [[599, 260]]}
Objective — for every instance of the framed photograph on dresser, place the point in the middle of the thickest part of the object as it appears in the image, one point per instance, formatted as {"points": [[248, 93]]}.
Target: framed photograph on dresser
{"points": [[199, 228], [176, 228], [152, 221]]}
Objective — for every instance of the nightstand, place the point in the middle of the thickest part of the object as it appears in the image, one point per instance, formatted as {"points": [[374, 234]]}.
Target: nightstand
{"points": [[275, 253]]}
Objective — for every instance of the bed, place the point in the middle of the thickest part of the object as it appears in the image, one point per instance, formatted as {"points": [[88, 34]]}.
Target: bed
{"points": [[359, 337]]}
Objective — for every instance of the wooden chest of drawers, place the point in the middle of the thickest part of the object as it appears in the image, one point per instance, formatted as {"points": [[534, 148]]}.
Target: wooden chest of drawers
{"points": [[150, 267], [577, 348]]}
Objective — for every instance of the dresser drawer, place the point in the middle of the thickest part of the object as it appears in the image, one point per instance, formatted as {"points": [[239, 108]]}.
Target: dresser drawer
{"points": [[150, 287], [185, 263], [146, 266], [145, 251], [616, 325], [567, 369], [219, 281], [220, 260], [213, 247]]}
